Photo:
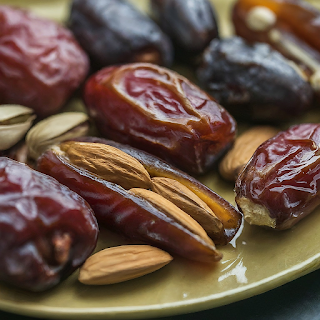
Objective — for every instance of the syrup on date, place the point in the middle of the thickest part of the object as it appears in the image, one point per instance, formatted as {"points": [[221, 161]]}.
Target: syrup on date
{"points": [[41, 64], [46, 230], [190, 24], [159, 111], [113, 32], [253, 81], [280, 184]]}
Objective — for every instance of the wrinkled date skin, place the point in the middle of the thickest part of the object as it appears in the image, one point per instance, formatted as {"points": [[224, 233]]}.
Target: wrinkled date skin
{"points": [[113, 32], [46, 230], [159, 111], [289, 26], [190, 24], [123, 212], [280, 185], [253, 81], [227, 214], [41, 64]]}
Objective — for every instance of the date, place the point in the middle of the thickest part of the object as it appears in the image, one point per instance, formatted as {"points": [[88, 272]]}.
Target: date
{"points": [[190, 24], [159, 111], [229, 217], [280, 185], [114, 32], [156, 222], [46, 230], [253, 81], [291, 27]]}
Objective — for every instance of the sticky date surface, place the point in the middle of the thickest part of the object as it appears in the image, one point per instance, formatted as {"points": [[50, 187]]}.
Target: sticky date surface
{"points": [[283, 175], [46, 230], [41, 64], [161, 112]]}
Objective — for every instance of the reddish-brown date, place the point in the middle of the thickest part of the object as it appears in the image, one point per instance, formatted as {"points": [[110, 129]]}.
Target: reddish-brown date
{"points": [[157, 110], [280, 185], [46, 230], [41, 64], [156, 167], [289, 26], [123, 212]]}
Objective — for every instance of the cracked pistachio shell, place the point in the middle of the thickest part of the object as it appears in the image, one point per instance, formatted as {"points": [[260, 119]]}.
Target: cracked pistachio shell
{"points": [[57, 128], [15, 121]]}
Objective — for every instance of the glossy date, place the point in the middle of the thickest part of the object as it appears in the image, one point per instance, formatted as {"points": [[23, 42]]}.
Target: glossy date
{"points": [[46, 230], [280, 185], [41, 64], [253, 81], [159, 111], [190, 24], [113, 32]]}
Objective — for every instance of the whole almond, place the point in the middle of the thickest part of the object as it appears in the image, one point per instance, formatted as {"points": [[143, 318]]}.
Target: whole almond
{"points": [[107, 163], [244, 147], [118, 264], [188, 202], [171, 210]]}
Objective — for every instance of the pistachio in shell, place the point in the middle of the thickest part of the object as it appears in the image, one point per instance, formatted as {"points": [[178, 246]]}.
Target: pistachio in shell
{"points": [[15, 121], [55, 129]]}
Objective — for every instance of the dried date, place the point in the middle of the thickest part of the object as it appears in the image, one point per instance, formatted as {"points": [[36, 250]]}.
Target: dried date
{"points": [[280, 185], [291, 27], [159, 111], [113, 32], [190, 24], [46, 230], [253, 81], [41, 64]]}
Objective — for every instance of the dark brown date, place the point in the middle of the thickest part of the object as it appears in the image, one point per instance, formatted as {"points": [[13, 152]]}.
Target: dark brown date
{"points": [[41, 64], [159, 111], [253, 81], [190, 24], [46, 230], [280, 185], [113, 32], [225, 212], [289, 26], [122, 211]]}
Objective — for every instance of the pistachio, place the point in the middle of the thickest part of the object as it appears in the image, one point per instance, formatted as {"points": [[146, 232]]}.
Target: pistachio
{"points": [[55, 129], [15, 121]]}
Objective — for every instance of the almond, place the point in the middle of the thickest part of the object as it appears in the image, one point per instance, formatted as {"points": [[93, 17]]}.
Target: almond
{"points": [[243, 149], [171, 210], [108, 163], [118, 264], [188, 202]]}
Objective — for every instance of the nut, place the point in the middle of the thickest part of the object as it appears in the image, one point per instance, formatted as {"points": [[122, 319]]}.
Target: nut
{"points": [[15, 121], [188, 202], [108, 163], [122, 263], [260, 18], [242, 150], [55, 129], [171, 210]]}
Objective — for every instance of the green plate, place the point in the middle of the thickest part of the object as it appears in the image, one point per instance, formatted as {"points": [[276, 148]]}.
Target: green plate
{"points": [[256, 261]]}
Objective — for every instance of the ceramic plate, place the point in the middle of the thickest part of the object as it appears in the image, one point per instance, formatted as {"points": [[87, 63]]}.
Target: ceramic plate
{"points": [[256, 261]]}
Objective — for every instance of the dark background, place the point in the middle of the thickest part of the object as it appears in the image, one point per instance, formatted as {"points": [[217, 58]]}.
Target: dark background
{"points": [[297, 300]]}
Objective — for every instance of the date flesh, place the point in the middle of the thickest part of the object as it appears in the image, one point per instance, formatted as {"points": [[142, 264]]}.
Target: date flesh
{"points": [[41, 64], [190, 24], [159, 111], [123, 212], [291, 27], [253, 81], [156, 167], [46, 230], [280, 185], [113, 32]]}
